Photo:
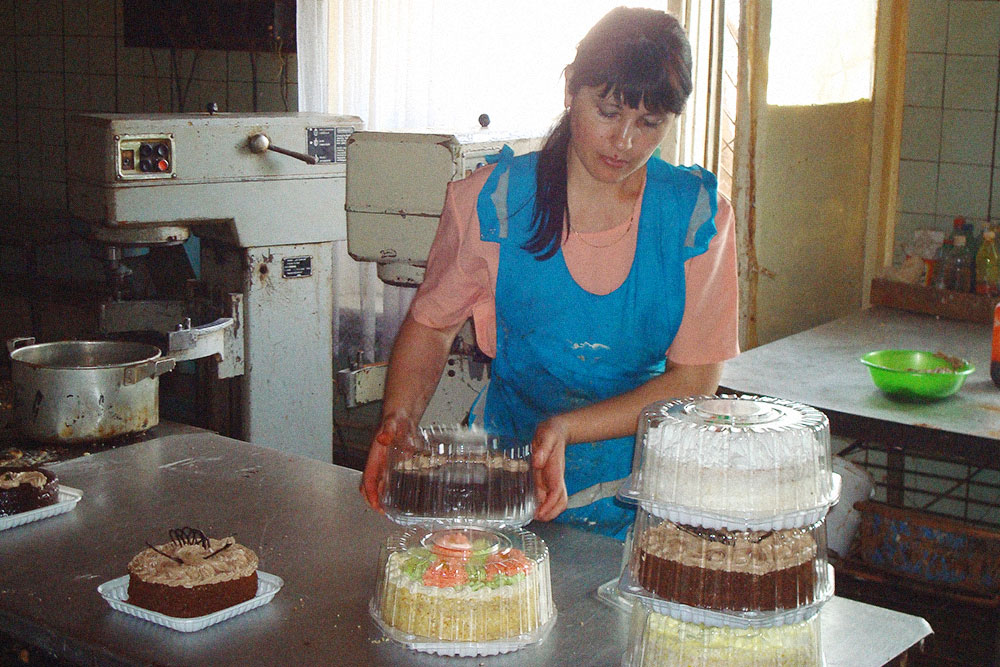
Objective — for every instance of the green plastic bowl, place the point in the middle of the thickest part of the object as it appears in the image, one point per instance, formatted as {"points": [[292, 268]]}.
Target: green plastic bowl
{"points": [[914, 375]]}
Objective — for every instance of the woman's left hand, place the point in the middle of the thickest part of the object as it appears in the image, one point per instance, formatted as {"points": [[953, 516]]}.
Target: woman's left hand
{"points": [[548, 457]]}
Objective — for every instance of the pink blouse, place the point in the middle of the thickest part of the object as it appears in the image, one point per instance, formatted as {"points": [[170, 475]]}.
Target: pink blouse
{"points": [[462, 271]]}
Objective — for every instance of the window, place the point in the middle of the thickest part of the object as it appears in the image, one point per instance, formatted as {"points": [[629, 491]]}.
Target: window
{"points": [[822, 51]]}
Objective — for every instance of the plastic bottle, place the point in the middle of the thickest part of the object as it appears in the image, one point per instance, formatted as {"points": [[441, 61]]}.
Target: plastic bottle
{"points": [[963, 263], [944, 268], [995, 356], [988, 266]]}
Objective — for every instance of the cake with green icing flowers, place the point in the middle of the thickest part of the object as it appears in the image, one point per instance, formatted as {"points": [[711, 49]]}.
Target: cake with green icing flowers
{"points": [[661, 641], [464, 584]]}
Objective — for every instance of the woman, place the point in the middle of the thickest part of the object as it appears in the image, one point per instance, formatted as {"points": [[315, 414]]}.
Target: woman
{"points": [[595, 275]]}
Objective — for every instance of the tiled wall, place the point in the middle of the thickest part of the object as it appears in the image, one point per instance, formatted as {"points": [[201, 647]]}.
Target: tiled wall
{"points": [[61, 57], [949, 155]]}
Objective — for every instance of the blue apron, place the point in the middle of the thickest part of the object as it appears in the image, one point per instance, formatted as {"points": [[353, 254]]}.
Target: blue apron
{"points": [[560, 347]]}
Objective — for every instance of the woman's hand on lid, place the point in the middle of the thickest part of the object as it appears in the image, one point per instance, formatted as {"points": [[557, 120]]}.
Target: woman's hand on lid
{"points": [[392, 429], [548, 455]]}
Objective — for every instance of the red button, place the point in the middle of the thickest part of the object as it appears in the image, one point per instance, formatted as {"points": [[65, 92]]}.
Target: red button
{"points": [[162, 165]]}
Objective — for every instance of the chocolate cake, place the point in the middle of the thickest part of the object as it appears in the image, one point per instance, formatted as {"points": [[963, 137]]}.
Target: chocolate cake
{"points": [[28, 488], [480, 485], [726, 570], [192, 575]]}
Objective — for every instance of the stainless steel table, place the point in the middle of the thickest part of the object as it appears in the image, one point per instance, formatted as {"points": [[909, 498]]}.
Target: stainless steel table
{"points": [[307, 523], [820, 367]]}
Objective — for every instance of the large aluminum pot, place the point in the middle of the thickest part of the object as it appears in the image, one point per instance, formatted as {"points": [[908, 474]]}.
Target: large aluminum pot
{"points": [[85, 391]]}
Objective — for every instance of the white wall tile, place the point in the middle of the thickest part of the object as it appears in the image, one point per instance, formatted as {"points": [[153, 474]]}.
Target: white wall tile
{"points": [[928, 26], [103, 17], [50, 16], [200, 93], [8, 55], [963, 190], [974, 27], [924, 79], [76, 17], [134, 62], [239, 66], [239, 96], [103, 56], [921, 138], [77, 96], [8, 159], [7, 19], [50, 93], [917, 186], [102, 92], [25, 18], [50, 55], [27, 54], [77, 50], [210, 66], [967, 136], [970, 82]]}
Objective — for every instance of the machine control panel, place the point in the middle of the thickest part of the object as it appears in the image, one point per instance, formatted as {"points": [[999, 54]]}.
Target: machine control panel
{"points": [[148, 156]]}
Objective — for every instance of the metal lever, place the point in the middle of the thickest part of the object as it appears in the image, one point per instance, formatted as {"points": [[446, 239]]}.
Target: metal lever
{"points": [[260, 143]]}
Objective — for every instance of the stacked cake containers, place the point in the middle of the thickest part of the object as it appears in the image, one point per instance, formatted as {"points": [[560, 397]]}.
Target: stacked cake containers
{"points": [[461, 576], [728, 561]]}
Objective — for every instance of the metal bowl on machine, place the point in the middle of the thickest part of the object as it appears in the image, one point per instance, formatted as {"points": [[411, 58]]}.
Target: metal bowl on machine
{"points": [[85, 391]]}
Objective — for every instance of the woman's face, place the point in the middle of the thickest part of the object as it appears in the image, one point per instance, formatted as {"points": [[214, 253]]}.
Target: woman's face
{"points": [[611, 140]]}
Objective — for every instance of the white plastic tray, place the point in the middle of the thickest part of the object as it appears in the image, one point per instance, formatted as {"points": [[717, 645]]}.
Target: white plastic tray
{"points": [[461, 649], [692, 516], [116, 593], [731, 619], [68, 498]]}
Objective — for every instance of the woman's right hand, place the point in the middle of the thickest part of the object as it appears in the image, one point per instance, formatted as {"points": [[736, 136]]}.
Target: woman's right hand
{"points": [[391, 429]]}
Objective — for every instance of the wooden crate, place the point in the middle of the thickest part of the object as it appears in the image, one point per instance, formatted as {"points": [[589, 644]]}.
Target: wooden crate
{"points": [[933, 301], [956, 556]]}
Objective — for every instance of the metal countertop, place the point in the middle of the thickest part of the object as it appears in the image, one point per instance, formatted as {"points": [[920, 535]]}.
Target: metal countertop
{"points": [[307, 523], [820, 367]]}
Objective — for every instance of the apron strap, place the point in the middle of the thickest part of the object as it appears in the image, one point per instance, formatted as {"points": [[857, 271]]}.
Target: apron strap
{"points": [[594, 493]]}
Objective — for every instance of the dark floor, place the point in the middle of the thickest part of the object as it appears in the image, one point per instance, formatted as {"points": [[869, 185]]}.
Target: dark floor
{"points": [[965, 634]]}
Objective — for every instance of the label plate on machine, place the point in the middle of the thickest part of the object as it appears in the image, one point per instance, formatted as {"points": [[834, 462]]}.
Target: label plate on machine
{"points": [[296, 267], [328, 144]]}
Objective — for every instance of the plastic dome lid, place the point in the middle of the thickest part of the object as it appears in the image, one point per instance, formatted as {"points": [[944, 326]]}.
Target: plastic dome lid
{"points": [[657, 640], [738, 462], [464, 590], [728, 578], [454, 475]]}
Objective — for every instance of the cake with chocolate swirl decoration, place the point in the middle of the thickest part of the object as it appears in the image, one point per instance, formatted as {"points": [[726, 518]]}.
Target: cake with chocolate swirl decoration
{"points": [[27, 488], [728, 570], [192, 575]]}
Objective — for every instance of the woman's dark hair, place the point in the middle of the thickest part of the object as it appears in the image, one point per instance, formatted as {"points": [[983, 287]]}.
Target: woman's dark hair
{"points": [[637, 55]]}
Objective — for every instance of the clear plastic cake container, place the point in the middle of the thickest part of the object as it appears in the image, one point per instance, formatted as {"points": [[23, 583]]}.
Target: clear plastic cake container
{"points": [[466, 591], [656, 640], [740, 462], [728, 578], [455, 475]]}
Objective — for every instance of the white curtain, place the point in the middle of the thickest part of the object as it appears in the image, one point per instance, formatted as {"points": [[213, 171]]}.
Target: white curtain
{"points": [[431, 64]]}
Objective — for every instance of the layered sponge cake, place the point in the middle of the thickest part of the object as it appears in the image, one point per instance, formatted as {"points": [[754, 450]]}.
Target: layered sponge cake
{"points": [[728, 570], [661, 641], [464, 585]]}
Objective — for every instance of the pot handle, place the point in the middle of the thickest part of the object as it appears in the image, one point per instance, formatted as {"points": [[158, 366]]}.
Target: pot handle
{"points": [[150, 369], [21, 341]]}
